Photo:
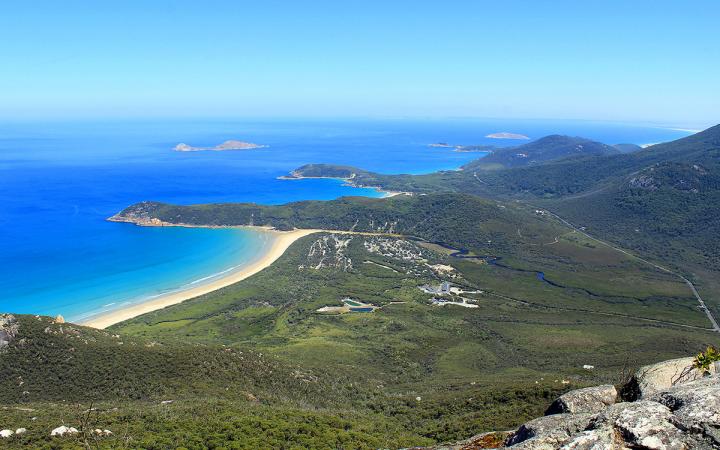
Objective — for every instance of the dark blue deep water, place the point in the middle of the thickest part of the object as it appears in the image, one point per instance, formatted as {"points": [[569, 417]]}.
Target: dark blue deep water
{"points": [[59, 181]]}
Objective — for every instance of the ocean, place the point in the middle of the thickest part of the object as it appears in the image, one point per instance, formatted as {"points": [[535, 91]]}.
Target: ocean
{"points": [[60, 180]]}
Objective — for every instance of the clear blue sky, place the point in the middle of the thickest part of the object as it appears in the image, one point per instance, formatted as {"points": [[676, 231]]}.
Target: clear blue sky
{"points": [[624, 60]]}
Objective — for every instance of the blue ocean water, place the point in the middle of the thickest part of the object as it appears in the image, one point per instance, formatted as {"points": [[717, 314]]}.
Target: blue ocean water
{"points": [[59, 181]]}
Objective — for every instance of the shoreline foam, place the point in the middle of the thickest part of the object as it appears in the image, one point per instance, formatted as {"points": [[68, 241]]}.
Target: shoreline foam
{"points": [[281, 240]]}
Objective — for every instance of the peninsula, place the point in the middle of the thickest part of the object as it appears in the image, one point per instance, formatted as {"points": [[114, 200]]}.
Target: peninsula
{"points": [[352, 176], [463, 148], [227, 145], [475, 148], [506, 135]]}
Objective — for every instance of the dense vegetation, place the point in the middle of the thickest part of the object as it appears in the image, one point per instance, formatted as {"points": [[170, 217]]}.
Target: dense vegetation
{"points": [[256, 365], [255, 362], [548, 148], [457, 219], [660, 201]]}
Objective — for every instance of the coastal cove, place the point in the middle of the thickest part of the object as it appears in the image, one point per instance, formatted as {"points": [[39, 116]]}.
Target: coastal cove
{"points": [[63, 257], [276, 242]]}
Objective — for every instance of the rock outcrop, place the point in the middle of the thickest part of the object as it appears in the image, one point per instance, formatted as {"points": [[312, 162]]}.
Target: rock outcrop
{"points": [[63, 431], [695, 406], [641, 424], [588, 400], [657, 377], [8, 330], [549, 431], [677, 407]]}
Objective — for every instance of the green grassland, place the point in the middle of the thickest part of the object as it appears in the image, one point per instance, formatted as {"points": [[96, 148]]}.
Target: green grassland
{"points": [[469, 366], [595, 306]]}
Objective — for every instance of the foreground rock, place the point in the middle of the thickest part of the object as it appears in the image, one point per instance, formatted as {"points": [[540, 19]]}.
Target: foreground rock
{"points": [[492, 439], [678, 409], [695, 406], [548, 431], [588, 400], [642, 424], [657, 377]]}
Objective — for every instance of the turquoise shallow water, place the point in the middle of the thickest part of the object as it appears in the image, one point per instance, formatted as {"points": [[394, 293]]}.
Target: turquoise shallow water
{"points": [[60, 181]]}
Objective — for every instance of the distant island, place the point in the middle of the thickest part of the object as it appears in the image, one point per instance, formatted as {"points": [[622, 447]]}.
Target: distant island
{"points": [[463, 148], [505, 135], [441, 145], [227, 145]]}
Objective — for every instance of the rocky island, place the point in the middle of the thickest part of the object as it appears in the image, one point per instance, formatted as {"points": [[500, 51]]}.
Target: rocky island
{"points": [[506, 135], [440, 145], [227, 145]]}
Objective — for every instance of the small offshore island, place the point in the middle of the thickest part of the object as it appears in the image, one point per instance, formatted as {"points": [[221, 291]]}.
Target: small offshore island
{"points": [[464, 148], [227, 145], [441, 145]]}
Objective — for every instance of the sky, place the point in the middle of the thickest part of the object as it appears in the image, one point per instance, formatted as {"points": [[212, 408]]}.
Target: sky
{"points": [[618, 60]]}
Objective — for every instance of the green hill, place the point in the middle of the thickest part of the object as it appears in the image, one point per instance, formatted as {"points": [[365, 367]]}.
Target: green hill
{"points": [[548, 148], [176, 393], [84, 364], [667, 192], [457, 219], [627, 148]]}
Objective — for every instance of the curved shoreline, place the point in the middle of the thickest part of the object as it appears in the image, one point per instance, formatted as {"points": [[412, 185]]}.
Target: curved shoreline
{"points": [[281, 240], [348, 182]]}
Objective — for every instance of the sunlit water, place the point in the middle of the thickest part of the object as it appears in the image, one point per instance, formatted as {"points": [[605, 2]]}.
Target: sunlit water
{"points": [[60, 181]]}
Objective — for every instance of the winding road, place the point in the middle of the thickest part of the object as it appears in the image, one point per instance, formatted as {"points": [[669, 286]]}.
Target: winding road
{"points": [[692, 287]]}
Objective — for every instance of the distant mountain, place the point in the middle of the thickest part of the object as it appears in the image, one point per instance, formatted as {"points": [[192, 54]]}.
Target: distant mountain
{"points": [[662, 200], [549, 148], [628, 148]]}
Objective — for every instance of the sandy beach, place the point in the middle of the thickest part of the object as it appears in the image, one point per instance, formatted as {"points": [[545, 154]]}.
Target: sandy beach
{"points": [[280, 241]]}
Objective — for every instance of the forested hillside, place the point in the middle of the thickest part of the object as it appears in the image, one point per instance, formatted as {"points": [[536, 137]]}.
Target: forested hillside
{"points": [[661, 200], [546, 149]]}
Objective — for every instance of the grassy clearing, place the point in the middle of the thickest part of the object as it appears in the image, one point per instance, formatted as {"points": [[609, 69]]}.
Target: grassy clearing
{"points": [[524, 335]]}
